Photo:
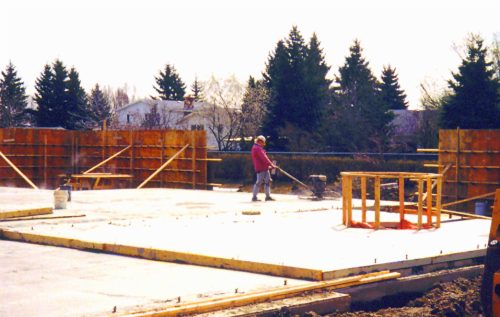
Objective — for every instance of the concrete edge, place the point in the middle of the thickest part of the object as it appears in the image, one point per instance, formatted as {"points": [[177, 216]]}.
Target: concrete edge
{"points": [[410, 267], [166, 255], [409, 284]]}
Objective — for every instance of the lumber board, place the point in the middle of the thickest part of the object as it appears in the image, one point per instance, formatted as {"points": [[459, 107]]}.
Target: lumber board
{"points": [[25, 212], [212, 305]]}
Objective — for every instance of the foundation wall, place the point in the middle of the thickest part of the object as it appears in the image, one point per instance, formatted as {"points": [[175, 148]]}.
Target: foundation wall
{"points": [[45, 156], [474, 160]]}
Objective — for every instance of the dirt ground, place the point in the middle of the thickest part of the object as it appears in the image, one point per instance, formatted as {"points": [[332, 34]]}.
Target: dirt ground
{"points": [[459, 298]]}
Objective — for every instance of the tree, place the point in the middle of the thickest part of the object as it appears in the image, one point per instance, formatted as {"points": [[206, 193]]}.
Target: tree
{"points": [[152, 119], [432, 100], [392, 94], [169, 84], [79, 115], [197, 90], [100, 106], [60, 98], [46, 114], [13, 99], [253, 109], [222, 111], [474, 102], [361, 118], [295, 76]]}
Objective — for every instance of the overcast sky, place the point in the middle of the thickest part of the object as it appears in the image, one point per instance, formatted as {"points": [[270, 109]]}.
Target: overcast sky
{"points": [[113, 42]]}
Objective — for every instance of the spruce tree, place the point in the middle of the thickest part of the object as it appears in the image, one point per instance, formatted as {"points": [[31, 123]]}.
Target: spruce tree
{"points": [[46, 114], [295, 76], [99, 106], [317, 85], [362, 117], [197, 89], [13, 99], [474, 102], [60, 98], [392, 94], [79, 115], [275, 80], [60, 95], [169, 84]]}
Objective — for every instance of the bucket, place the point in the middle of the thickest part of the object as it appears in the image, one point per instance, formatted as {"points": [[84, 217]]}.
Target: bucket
{"points": [[60, 199], [68, 189], [481, 208]]}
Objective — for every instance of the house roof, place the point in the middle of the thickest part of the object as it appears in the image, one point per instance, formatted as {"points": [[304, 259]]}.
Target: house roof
{"points": [[165, 104]]}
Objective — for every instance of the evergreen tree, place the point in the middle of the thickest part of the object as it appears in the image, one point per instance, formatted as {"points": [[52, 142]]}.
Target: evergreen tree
{"points": [[197, 89], [60, 98], [60, 94], [169, 84], [298, 91], [392, 94], [362, 118], [99, 105], [13, 99], [275, 80], [46, 115], [77, 109], [317, 85], [474, 102]]}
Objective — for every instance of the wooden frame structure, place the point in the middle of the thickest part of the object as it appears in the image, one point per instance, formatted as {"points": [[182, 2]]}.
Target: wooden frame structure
{"points": [[46, 156], [423, 180]]}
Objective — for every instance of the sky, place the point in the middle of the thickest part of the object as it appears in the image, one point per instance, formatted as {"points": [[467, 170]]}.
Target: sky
{"points": [[118, 42]]}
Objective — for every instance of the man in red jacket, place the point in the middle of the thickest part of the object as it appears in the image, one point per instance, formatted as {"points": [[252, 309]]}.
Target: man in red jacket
{"points": [[261, 164]]}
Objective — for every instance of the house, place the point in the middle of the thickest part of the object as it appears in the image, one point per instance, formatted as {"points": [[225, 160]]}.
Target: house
{"points": [[410, 126], [167, 114]]}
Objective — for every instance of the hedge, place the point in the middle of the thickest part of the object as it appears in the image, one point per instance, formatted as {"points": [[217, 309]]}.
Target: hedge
{"points": [[237, 167]]}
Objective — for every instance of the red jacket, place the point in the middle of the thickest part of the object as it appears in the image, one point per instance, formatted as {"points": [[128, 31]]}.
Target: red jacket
{"points": [[260, 160]]}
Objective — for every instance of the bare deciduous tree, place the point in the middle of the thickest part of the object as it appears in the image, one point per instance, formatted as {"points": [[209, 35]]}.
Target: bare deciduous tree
{"points": [[222, 111]]}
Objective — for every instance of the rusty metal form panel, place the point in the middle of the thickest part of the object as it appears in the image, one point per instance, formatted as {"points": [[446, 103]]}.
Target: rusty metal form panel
{"points": [[474, 156], [55, 156], [45, 156]]}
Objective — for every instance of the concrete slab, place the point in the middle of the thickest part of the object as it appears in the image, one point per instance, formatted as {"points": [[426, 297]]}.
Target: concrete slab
{"points": [[290, 232], [49, 281]]}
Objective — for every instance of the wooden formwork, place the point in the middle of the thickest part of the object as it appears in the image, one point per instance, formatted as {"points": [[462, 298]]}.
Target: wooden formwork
{"points": [[46, 155], [474, 160], [428, 181]]}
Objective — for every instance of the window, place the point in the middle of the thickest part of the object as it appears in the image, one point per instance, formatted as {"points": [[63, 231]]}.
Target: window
{"points": [[197, 127]]}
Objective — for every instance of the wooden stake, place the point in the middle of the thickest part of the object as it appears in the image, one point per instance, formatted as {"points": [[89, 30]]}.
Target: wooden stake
{"points": [[377, 202], [363, 198], [17, 170], [107, 160], [401, 198], [438, 201], [429, 201], [163, 166], [193, 157], [468, 199], [420, 196]]}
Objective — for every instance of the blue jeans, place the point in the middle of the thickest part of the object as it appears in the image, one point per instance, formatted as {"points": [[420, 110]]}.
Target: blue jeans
{"points": [[262, 177]]}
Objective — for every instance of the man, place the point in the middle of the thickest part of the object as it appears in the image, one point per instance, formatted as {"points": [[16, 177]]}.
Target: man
{"points": [[261, 164]]}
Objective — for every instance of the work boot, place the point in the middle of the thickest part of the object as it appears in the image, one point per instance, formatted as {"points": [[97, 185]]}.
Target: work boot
{"points": [[255, 199], [269, 198]]}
